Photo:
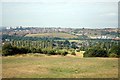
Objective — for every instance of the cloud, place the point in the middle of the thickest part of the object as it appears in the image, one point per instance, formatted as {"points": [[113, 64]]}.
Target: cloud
{"points": [[59, 1], [60, 14], [110, 14]]}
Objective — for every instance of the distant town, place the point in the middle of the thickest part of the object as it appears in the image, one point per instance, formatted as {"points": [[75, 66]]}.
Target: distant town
{"points": [[105, 33]]}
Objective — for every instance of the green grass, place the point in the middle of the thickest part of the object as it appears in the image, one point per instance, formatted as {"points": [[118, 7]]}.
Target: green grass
{"points": [[61, 35], [80, 41], [59, 67], [0, 67]]}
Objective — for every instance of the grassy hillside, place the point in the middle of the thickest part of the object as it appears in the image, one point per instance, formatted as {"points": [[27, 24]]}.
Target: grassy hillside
{"points": [[59, 67], [61, 35]]}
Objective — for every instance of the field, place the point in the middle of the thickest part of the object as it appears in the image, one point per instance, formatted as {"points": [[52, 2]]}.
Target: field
{"points": [[0, 67], [80, 41], [61, 35], [41, 66]]}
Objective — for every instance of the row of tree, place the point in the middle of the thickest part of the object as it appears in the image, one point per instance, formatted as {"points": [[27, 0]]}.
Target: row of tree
{"points": [[15, 37], [30, 44], [64, 44], [92, 49]]}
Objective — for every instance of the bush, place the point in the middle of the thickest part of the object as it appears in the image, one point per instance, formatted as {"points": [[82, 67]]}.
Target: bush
{"points": [[7, 49], [58, 52], [15, 50], [113, 55], [95, 52], [33, 50], [51, 52], [82, 48], [44, 51], [78, 50], [64, 53], [115, 50], [71, 50], [38, 50], [23, 50], [73, 53]]}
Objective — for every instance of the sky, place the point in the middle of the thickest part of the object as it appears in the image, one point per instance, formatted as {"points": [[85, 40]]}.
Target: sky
{"points": [[60, 14]]}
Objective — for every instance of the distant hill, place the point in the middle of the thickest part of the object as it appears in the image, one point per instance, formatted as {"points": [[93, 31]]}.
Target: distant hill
{"points": [[60, 35]]}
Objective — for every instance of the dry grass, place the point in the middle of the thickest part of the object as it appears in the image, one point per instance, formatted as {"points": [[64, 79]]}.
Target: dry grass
{"points": [[80, 54], [0, 67], [61, 35], [59, 67]]}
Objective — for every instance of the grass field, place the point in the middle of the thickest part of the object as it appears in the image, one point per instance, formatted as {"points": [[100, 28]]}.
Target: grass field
{"points": [[41, 66], [61, 35], [0, 67]]}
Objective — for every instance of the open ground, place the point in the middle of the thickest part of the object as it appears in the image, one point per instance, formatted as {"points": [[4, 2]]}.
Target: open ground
{"points": [[42, 66], [61, 35]]}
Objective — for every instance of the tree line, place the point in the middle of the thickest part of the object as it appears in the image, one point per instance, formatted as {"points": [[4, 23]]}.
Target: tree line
{"points": [[94, 49], [15, 37]]}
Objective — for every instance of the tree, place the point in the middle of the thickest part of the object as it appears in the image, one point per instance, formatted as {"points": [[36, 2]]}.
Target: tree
{"points": [[115, 50], [95, 52], [66, 44], [73, 45], [7, 49]]}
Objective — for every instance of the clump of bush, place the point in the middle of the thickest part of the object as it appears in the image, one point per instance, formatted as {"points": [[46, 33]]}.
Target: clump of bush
{"points": [[22, 50], [114, 51], [36, 50], [49, 51], [95, 52], [73, 53], [64, 53], [54, 52], [78, 50], [44, 51], [39, 50], [58, 52], [113, 55], [33, 50], [8, 49]]}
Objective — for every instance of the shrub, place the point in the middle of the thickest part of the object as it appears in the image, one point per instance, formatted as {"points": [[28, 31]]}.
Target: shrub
{"points": [[51, 52], [73, 53], [23, 50], [95, 52], [78, 50], [48, 51], [15, 50], [44, 51], [113, 55], [71, 50], [82, 48], [58, 52], [7, 49], [115, 50], [38, 50], [64, 53], [33, 50]]}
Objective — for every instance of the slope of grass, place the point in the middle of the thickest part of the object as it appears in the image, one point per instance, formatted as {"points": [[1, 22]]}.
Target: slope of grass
{"points": [[61, 35], [59, 67], [0, 67]]}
